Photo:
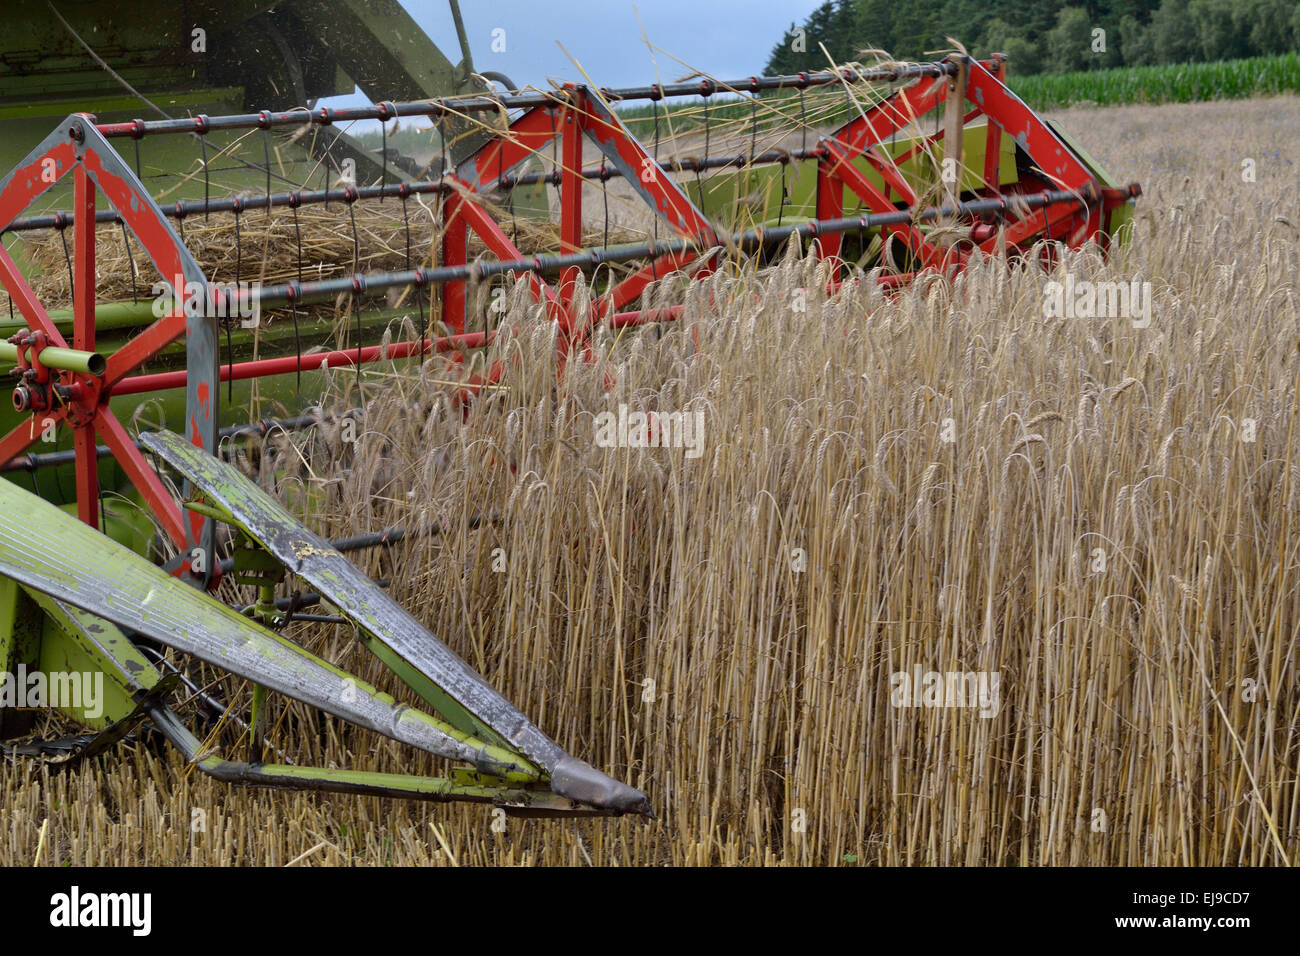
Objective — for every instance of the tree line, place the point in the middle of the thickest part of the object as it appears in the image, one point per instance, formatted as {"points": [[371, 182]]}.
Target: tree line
{"points": [[1043, 36]]}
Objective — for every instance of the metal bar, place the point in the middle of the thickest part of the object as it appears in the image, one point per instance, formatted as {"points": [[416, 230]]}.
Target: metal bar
{"points": [[83, 340], [185, 208], [691, 165], [291, 199], [455, 254], [993, 137], [146, 344], [37, 172], [953, 124], [64, 360], [642, 173], [623, 320], [571, 139], [447, 106], [1057, 161], [374, 539], [830, 206], [161, 381], [524, 138], [290, 776], [890, 115]]}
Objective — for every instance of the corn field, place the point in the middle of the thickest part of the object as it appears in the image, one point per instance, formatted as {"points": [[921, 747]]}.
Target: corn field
{"points": [[1167, 83]]}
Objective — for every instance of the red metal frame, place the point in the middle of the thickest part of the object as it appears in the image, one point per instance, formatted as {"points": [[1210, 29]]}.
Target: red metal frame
{"points": [[78, 147]]}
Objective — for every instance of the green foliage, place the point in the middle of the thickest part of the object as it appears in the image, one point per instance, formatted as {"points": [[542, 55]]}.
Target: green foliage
{"points": [[1051, 36], [1004, 38], [1166, 83], [1069, 42]]}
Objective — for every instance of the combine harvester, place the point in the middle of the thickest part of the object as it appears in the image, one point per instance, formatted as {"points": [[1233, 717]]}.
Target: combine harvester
{"points": [[85, 590]]}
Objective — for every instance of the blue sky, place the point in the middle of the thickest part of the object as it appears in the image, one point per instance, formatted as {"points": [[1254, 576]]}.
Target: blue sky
{"points": [[726, 38]]}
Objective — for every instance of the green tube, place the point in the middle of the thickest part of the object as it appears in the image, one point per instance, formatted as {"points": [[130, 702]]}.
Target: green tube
{"points": [[67, 360], [108, 315]]}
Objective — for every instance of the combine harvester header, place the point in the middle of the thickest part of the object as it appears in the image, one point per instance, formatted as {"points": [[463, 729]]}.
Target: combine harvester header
{"points": [[991, 178]]}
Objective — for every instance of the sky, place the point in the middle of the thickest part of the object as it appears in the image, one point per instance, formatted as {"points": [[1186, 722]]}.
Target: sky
{"points": [[725, 38]]}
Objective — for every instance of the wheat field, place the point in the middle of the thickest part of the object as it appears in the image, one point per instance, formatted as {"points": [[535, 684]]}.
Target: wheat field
{"points": [[1105, 516]]}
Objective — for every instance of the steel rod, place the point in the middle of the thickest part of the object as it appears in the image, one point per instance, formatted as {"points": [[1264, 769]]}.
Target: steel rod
{"points": [[450, 106], [765, 158], [161, 381], [291, 199], [64, 360]]}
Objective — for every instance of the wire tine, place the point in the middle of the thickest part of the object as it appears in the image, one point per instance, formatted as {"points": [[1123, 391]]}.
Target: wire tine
{"points": [[230, 346], [8, 296], [297, 232], [351, 195], [203, 146], [803, 122], [297, 339], [130, 258], [67, 258], [406, 223], [383, 175], [266, 151]]}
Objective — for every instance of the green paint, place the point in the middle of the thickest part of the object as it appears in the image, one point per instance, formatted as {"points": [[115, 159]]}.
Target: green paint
{"points": [[68, 360]]}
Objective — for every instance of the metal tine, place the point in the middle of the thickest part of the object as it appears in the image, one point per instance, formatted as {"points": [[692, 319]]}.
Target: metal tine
{"points": [[387, 108], [406, 223], [654, 106], [266, 153], [202, 127], [604, 192], [227, 321], [130, 258], [350, 197], [67, 258], [297, 341], [293, 302]]}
